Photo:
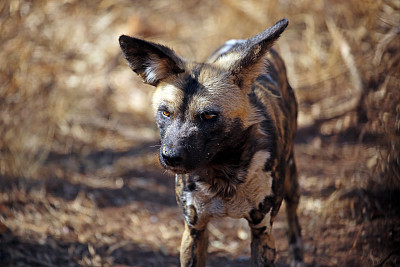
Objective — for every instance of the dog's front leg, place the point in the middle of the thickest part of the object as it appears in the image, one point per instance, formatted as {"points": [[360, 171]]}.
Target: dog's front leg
{"points": [[195, 239], [263, 251], [194, 247]]}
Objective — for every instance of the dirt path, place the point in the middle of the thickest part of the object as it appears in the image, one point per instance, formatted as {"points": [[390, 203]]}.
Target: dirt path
{"points": [[89, 210]]}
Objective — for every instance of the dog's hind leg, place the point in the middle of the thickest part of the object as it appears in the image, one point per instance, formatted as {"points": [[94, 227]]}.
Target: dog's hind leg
{"points": [[292, 197]]}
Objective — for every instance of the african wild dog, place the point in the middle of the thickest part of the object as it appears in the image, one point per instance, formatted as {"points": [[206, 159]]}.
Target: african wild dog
{"points": [[227, 129]]}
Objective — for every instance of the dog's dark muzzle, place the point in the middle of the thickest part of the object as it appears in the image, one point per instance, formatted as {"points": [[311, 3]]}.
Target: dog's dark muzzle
{"points": [[172, 157], [180, 156], [175, 158]]}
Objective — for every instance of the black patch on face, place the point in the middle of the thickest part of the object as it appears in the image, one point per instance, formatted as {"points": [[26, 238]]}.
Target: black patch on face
{"points": [[197, 142], [214, 143], [191, 86], [197, 69]]}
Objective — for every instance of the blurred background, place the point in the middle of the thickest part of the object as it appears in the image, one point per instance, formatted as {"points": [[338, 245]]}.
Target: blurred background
{"points": [[80, 183]]}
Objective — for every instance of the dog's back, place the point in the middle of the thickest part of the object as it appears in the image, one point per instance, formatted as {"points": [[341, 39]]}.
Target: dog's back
{"points": [[273, 89]]}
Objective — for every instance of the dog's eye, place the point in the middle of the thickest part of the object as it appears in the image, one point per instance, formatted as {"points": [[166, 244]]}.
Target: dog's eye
{"points": [[208, 116], [166, 113]]}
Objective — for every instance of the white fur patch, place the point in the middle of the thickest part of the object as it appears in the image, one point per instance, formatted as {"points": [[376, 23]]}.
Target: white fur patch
{"points": [[252, 192], [249, 195], [155, 70], [226, 61], [229, 45], [257, 179], [150, 74]]}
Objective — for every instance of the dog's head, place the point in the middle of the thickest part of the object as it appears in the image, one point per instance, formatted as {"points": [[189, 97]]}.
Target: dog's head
{"points": [[202, 109]]}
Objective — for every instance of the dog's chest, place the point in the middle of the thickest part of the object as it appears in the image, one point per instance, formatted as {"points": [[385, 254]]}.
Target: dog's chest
{"points": [[249, 195]]}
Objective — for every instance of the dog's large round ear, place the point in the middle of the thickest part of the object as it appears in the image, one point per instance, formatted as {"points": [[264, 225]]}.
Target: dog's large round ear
{"points": [[245, 59], [151, 61]]}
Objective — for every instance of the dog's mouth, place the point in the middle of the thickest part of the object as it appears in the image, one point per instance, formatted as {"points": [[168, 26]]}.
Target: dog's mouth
{"points": [[177, 169]]}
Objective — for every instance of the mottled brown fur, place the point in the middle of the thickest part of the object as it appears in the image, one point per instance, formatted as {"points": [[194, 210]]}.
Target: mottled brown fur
{"points": [[227, 128]]}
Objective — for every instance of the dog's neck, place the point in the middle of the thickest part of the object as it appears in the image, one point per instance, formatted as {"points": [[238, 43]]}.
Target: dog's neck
{"points": [[227, 169]]}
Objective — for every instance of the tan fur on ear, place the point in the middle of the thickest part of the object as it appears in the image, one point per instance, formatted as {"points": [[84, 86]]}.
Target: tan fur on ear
{"points": [[245, 59], [151, 61]]}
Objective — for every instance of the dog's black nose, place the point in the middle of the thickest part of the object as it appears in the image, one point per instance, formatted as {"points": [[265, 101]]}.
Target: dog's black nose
{"points": [[172, 158]]}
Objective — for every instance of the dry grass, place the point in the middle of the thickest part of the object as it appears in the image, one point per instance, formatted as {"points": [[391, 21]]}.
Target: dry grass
{"points": [[77, 138]]}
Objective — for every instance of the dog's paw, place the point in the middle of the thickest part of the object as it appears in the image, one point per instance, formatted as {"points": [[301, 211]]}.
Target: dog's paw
{"points": [[296, 252]]}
